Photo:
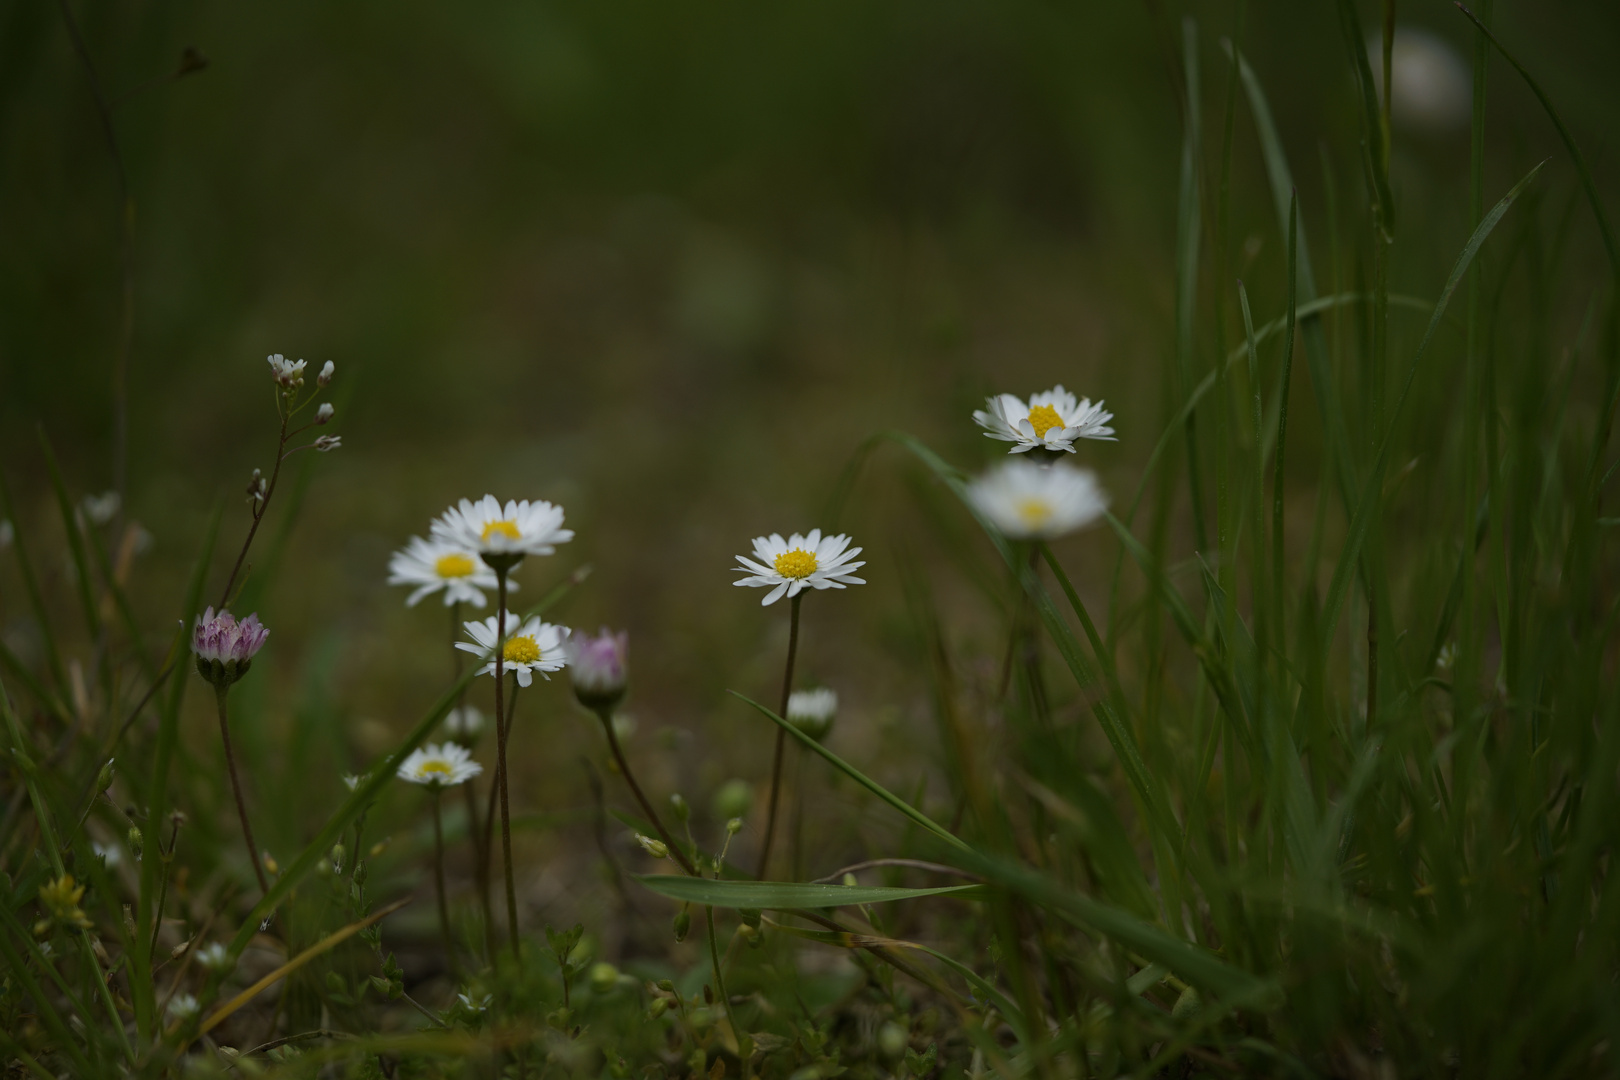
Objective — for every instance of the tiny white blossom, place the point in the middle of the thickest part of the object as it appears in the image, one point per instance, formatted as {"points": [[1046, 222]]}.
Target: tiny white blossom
{"points": [[100, 509], [326, 374], [439, 766], [328, 442], [182, 1007], [323, 415], [286, 372], [215, 957]]}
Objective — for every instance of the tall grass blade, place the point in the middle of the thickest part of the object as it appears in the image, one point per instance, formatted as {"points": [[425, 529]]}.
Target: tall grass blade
{"points": [[779, 895]]}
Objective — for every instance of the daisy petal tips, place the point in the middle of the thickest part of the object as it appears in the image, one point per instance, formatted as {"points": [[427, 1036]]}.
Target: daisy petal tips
{"points": [[530, 647], [1031, 502], [505, 532], [1052, 420], [432, 565], [788, 567]]}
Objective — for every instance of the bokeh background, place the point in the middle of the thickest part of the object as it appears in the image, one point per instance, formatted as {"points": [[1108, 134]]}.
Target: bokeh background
{"points": [[666, 264]]}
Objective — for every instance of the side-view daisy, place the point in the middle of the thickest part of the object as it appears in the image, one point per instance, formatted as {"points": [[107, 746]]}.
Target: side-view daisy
{"points": [[1050, 421], [534, 646], [439, 766], [800, 562], [436, 564], [503, 534], [1031, 502]]}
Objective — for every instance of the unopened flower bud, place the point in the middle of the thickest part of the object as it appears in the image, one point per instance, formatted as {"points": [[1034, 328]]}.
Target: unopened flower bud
{"points": [[328, 442], [678, 806], [604, 977], [224, 648], [326, 374], [656, 848], [657, 1008], [683, 925], [104, 778], [734, 826], [136, 841], [598, 667], [324, 413], [812, 711]]}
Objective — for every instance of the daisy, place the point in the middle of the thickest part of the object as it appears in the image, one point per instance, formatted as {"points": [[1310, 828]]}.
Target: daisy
{"points": [[599, 667], [436, 564], [536, 646], [1050, 421], [503, 534], [225, 648], [799, 562], [1031, 502], [812, 711], [439, 766]]}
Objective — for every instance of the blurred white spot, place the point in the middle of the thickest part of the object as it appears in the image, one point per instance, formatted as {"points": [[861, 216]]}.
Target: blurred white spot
{"points": [[1431, 84], [102, 508]]}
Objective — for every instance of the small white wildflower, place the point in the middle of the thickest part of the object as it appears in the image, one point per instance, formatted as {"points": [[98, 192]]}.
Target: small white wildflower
{"points": [[1051, 420], [110, 854], [1028, 501], [215, 957], [286, 372], [474, 1005], [328, 442], [508, 532], [325, 376], [352, 780], [182, 1007], [790, 566], [100, 509], [1447, 657], [323, 415], [533, 646], [439, 766]]}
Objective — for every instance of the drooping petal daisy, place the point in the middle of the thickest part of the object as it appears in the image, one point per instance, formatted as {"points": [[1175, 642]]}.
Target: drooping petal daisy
{"points": [[435, 564], [534, 646], [503, 533], [812, 711], [790, 566], [1029, 501], [1051, 420], [439, 766]]}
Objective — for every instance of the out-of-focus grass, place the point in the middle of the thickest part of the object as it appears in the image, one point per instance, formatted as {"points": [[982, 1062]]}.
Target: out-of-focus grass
{"points": [[668, 267]]}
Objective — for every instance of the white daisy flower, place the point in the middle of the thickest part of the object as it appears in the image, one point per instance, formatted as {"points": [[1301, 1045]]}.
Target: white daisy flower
{"points": [[503, 534], [535, 646], [439, 766], [1050, 420], [812, 711], [1029, 501], [436, 564], [798, 563]]}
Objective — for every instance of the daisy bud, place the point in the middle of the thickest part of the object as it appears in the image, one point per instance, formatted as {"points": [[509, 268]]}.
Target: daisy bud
{"points": [[812, 711], [323, 414], [328, 442], [325, 376], [656, 848], [599, 668], [224, 648]]}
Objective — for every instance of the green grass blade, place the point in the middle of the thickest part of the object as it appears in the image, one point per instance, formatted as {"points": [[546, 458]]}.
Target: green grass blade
{"points": [[1375, 138], [1358, 525], [859, 777], [1279, 604], [780, 895], [36, 600], [1581, 169], [84, 584], [1188, 231]]}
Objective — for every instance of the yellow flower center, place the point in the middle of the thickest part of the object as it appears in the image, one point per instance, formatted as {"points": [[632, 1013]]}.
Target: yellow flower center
{"points": [[797, 564], [1034, 512], [440, 767], [521, 650], [1044, 418], [507, 529], [453, 566]]}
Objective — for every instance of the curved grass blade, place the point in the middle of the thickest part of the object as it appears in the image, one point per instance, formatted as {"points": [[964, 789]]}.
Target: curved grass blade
{"points": [[781, 895], [859, 777], [1358, 524]]}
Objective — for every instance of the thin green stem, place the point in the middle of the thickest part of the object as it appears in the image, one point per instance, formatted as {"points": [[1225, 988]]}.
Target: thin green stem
{"points": [[438, 880], [500, 769], [776, 762], [606, 716], [221, 693]]}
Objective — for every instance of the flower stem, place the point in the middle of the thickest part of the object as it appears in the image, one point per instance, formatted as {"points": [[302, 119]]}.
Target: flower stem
{"points": [[606, 716], [745, 1043], [502, 730], [220, 695], [258, 511], [438, 880], [477, 834], [776, 763]]}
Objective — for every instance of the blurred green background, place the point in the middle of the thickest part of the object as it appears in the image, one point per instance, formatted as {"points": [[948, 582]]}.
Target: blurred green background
{"points": [[667, 265]]}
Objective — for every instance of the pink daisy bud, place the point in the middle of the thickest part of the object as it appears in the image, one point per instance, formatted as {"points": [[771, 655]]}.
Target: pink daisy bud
{"points": [[599, 667], [224, 647]]}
